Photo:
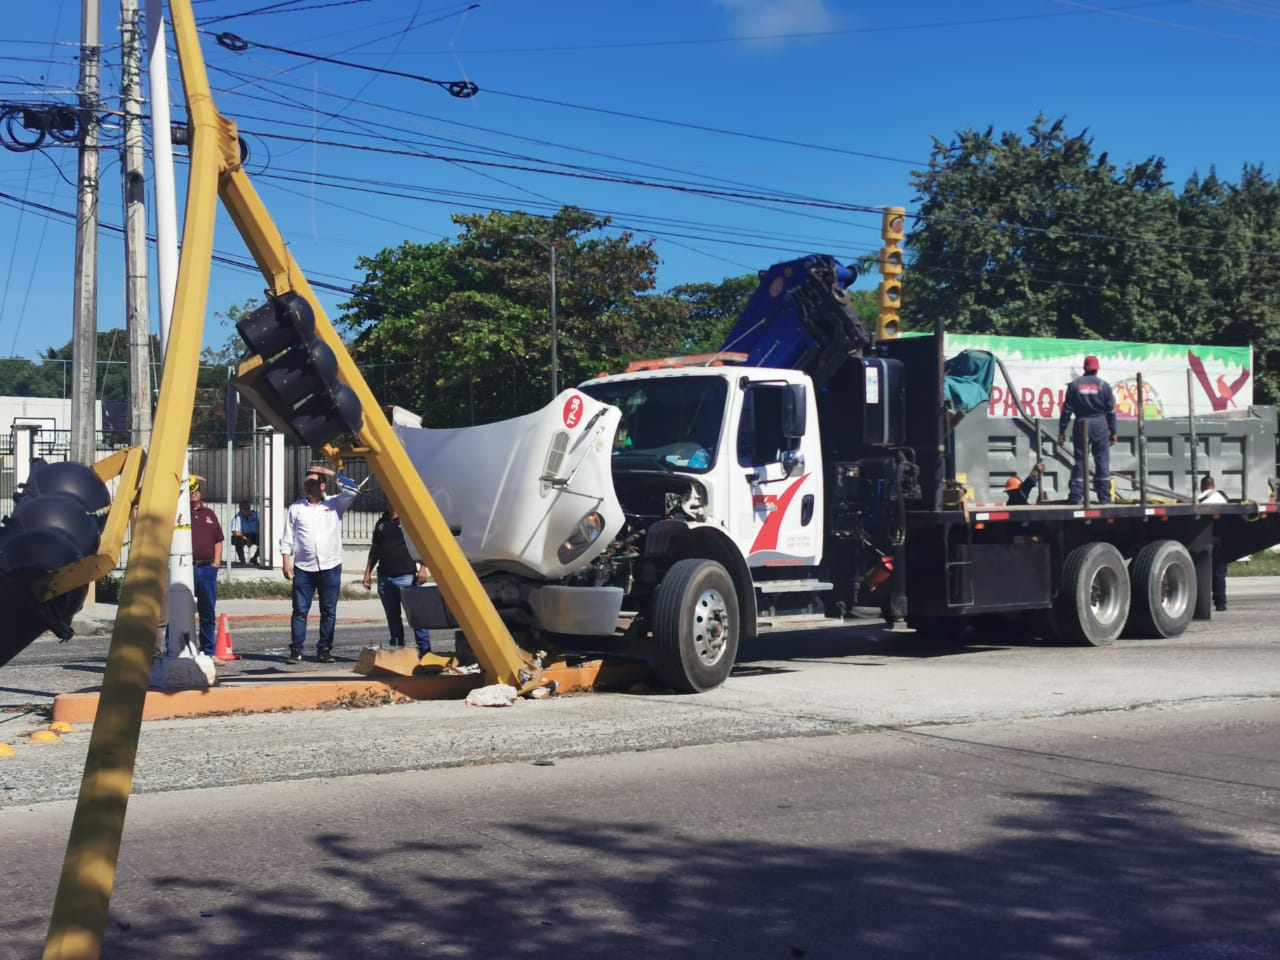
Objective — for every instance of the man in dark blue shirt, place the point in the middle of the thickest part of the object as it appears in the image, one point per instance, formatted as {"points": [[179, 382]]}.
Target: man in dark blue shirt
{"points": [[1090, 400], [244, 532]]}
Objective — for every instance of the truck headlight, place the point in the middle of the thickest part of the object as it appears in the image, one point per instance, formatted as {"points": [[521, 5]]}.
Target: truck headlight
{"points": [[584, 535]]}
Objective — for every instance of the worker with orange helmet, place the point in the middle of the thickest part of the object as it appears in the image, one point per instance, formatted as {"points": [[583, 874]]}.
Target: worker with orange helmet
{"points": [[1021, 492]]}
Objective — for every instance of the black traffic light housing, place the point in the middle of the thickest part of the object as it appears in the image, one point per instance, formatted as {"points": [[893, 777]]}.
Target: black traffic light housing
{"points": [[55, 523], [292, 378]]}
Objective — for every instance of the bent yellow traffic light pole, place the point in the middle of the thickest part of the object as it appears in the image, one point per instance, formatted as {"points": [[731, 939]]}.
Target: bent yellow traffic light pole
{"points": [[501, 660], [79, 917]]}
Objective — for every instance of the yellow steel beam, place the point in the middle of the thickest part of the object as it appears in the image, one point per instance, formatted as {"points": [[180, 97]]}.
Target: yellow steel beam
{"points": [[79, 917], [80, 907], [500, 658]]}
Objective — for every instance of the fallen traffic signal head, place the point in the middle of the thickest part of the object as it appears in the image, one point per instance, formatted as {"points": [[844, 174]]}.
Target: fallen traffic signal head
{"points": [[296, 385], [278, 324], [54, 524]]}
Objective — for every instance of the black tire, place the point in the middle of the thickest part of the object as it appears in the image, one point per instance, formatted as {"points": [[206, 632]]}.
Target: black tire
{"points": [[1164, 590], [695, 626], [1093, 605]]}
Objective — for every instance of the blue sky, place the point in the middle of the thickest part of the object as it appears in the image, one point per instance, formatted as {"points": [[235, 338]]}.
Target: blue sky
{"points": [[790, 99]]}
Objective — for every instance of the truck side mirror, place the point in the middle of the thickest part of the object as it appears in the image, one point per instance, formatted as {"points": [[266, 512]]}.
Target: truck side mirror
{"points": [[793, 410], [792, 462]]}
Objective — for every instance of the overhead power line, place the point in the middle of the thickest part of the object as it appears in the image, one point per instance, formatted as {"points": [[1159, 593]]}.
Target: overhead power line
{"points": [[462, 89]]}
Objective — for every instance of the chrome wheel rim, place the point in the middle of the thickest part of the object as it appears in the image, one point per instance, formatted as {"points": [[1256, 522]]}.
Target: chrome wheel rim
{"points": [[1175, 590], [1104, 596], [710, 626]]}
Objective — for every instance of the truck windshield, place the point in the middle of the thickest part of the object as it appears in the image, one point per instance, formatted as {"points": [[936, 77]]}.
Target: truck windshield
{"points": [[671, 423]]}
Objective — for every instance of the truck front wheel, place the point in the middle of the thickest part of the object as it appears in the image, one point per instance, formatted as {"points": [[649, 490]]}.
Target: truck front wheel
{"points": [[695, 625], [1093, 605]]}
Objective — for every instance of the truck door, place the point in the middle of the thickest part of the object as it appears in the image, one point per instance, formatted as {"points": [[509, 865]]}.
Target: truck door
{"points": [[777, 508]]}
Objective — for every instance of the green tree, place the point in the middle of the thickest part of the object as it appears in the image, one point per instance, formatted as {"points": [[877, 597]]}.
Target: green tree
{"points": [[709, 310], [1232, 238], [460, 330], [51, 377], [209, 419], [1037, 236], [20, 377]]}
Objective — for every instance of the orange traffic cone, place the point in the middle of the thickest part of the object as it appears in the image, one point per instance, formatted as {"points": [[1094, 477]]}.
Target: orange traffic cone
{"points": [[222, 647]]}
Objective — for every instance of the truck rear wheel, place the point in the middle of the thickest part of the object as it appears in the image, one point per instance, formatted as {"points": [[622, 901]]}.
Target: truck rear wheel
{"points": [[1164, 590], [1093, 604], [695, 625]]}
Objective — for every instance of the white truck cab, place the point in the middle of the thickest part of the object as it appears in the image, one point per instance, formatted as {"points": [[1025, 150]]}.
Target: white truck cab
{"points": [[746, 437]]}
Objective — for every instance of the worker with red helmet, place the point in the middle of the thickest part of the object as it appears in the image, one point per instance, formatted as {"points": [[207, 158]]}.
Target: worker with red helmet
{"points": [[1090, 400]]}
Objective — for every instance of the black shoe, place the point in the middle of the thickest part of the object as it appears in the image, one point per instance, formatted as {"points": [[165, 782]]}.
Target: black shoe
{"points": [[295, 655], [324, 656], [1220, 607]]}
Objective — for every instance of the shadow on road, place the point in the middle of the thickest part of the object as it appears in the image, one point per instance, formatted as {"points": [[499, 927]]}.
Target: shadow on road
{"points": [[1090, 873]]}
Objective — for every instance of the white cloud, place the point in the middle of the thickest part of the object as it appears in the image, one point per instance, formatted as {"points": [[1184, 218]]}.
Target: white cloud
{"points": [[757, 18]]}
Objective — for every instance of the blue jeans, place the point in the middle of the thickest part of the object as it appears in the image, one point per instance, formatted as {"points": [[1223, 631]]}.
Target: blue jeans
{"points": [[205, 581], [1091, 436], [389, 593], [305, 585]]}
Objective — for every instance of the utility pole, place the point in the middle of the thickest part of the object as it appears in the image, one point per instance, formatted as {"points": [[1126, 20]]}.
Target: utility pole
{"points": [[555, 349], [84, 319], [555, 346], [135, 228]]}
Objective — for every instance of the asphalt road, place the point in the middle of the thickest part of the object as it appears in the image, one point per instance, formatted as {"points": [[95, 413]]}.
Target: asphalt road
{"points": [[846, 793]]}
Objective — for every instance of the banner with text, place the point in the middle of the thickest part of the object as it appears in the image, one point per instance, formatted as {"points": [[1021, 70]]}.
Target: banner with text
{"points": [[1221, 377]]}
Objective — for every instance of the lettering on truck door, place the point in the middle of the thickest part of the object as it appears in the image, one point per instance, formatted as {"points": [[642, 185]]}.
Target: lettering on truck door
{"points": [[776, 518]]}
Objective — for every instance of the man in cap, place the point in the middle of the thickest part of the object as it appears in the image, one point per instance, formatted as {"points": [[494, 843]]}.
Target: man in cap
{"points": [[206, 555], [311, 554], [1090, 400]]}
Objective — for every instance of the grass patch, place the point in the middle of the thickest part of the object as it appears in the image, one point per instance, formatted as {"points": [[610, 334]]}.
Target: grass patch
{"points": [[1263, 564], [282, 588], [108, 590]]}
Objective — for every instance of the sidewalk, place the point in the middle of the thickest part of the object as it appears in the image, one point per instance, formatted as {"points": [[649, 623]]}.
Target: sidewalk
{"points": [[97, 618]]}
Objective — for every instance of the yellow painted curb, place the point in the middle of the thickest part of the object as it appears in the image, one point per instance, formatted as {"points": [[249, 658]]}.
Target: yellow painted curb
{"points": [[43, 736], [7, 751], [61, 726]]}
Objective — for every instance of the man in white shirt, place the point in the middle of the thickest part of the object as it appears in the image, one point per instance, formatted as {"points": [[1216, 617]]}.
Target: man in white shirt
{"points": [[1209, 493], [311, 551]]}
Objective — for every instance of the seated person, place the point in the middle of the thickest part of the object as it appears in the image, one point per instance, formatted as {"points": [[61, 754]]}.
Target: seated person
{"points": [[1020, 492]]}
